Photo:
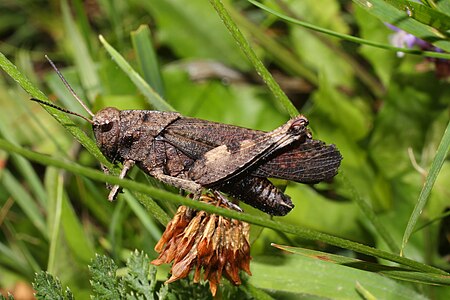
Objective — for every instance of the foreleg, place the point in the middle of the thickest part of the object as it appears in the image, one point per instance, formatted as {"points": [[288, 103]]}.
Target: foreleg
{"points": [[127, 165]]}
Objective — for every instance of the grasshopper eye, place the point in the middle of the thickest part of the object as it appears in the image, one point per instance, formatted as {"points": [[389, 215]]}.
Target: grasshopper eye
{"points": [[106, 127], [299, 125]]}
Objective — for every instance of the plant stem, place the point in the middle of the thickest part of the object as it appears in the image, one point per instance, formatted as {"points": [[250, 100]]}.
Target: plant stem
{"points": [[167, 196], [256, 62]]}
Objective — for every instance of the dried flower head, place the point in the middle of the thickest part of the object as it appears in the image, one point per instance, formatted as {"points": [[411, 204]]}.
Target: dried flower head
{"points": [[205, 242]]}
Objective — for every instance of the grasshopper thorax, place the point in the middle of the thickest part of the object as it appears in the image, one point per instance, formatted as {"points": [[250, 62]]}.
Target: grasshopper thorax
{"points": [[106, 127]]}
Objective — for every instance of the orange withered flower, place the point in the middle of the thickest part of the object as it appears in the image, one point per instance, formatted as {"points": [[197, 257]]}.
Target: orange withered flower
{"points": [[209, 244]]}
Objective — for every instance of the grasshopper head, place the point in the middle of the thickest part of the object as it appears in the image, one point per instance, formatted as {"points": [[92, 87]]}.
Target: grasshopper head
{"points": [[298, 127], [106, 126]]}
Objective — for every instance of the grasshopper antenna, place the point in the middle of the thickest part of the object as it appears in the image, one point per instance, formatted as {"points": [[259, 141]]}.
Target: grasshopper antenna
{"points": [[61, 109], [70, 90]]}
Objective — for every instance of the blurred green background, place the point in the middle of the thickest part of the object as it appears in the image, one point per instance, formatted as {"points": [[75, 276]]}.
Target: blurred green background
{"points": [[386, 114]]}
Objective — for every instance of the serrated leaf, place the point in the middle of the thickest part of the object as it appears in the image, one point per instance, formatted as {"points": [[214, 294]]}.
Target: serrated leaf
{"points": [[104, 281], [48, 288], [10, 297], [137, 277]]}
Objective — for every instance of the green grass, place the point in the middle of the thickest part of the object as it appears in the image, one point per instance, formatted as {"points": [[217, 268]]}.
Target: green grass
{"points": [[294, 58]]}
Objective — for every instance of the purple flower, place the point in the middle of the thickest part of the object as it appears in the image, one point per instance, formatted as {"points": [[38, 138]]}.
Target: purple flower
{"points": [[403, 39]]}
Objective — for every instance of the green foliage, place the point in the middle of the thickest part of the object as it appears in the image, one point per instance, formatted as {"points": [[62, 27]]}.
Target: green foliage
{"points": [[104, 282], [136, 278], [48, 287], [387, 115], [138, 283]]}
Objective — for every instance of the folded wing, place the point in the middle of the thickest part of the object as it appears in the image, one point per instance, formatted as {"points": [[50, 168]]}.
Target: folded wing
{"points": [[308, 161]]}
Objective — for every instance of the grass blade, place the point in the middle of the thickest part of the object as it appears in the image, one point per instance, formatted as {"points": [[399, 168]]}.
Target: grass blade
{"points": [[78, 241], [61, 117], [256, 62], [10, 258], [146, 57], [56, 194], [387, 13], [298, 276], [24, 200], [370, 214], [145, 219], [423, 14], [405, 274], [154, 98], [278, 52], [350, 38], [25, 167], [261, 221], [83, 61], [21, 253], [436, 166], [79, 135]]}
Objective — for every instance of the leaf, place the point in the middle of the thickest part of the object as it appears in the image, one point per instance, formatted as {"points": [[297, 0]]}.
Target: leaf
{"points": [[325, 61], [23, 166], [389, 271], [83, 61], [25, 201], [423, 14], [104, 281], [77, 238], [241, 105], [154, 98], [61, 117], [10, 297], [274, 49], [146, 57], [262, 71], [389, 14], [137, 278], [436, 166], [382, 61], [337, 218], [55, 183], [411, 102], [146, 220], [443, 6], [167, 196], [48, 288], [297, 276], [347, 113], [367, 5], [327, 58], [207, 38]]}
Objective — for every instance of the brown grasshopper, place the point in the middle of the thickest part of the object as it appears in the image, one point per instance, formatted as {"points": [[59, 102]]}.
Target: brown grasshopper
{"points": [[194, 154]]}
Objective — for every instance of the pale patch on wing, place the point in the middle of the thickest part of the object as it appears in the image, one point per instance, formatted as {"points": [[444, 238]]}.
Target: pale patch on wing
{"points": [[217, 153]]}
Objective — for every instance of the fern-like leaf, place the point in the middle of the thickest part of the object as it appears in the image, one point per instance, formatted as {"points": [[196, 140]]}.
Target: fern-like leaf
{"points": [[48, 288], [104, 281], [141, 278]]}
